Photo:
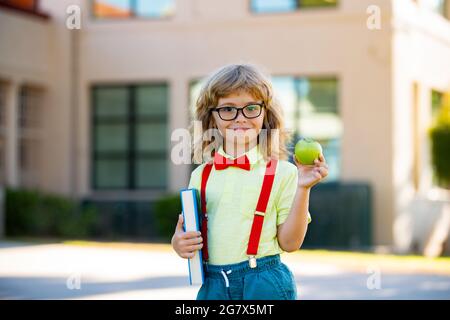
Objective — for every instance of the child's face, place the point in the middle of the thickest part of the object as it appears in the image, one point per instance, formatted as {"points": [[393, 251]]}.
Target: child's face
{"points": [[241, 130]]}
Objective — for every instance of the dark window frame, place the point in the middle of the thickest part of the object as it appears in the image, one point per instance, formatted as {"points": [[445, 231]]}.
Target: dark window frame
{"points": [[437, 97], [296, 135], [132, 5], [298, 8], [334, 78], [131, 154]]}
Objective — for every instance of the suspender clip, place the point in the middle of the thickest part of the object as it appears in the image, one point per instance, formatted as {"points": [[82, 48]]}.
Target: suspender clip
{"points": [[252, 261]]}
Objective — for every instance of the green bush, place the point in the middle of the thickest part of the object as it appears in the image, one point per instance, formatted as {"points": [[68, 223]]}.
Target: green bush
{"points": [[33, 213], [440, 145], [166, 212]]}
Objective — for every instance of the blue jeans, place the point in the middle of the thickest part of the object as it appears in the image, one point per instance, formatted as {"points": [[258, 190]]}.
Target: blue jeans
{"points": [[270, 280]]}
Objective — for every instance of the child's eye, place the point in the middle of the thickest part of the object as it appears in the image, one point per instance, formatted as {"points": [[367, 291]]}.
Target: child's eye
{"points": [[228, 109], [251, 108]]}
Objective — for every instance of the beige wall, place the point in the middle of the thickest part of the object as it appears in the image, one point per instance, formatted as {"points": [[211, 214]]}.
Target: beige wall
{"points": [[25, 49]]}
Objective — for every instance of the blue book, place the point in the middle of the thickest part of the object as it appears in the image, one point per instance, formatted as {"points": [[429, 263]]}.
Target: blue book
{"points": [[191, 222]]}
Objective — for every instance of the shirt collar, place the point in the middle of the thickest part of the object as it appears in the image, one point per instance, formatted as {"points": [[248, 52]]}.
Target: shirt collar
{"points": [[253, 155]]}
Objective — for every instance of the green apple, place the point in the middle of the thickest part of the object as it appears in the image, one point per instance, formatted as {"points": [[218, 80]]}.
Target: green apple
{"points": [[307, 150]]}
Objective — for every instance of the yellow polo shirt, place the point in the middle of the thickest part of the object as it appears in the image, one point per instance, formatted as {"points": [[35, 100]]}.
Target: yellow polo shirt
{"points": [[231, 198]]}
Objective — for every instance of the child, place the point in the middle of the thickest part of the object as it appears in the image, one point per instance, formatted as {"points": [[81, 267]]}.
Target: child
{"points": [[256, 208]]}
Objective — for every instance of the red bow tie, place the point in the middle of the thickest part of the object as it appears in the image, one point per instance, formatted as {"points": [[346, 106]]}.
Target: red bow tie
{"points": [[221, 163]]}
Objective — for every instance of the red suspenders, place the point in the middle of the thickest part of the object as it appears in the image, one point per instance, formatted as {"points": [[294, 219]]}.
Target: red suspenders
{"points": [[258, 217], [205, 176]]}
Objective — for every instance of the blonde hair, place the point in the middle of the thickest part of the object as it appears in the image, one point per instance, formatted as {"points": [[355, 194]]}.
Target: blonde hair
{"points": [[247, 78]]}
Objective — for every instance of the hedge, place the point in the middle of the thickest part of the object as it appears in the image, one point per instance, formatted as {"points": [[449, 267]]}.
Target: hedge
{"points": [[440, 145], [37, 214]]}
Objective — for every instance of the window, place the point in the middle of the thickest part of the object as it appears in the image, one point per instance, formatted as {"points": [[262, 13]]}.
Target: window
{"points": [[437, 106], [194, 91], [436, 102], [275, 6], [30, 108], [310, 108], [437, 6], [133, 8], [130, 137]]}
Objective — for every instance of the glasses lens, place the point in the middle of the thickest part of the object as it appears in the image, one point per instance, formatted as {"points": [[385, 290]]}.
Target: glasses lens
{"points": [[227, 113], [252, 111]]}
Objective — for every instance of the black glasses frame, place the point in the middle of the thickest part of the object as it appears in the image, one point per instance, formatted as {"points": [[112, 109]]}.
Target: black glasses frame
{"points": [[240, 109]]}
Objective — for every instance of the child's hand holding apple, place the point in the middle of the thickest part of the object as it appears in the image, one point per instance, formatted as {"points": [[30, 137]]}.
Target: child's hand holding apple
{"points": [[311, 164]]}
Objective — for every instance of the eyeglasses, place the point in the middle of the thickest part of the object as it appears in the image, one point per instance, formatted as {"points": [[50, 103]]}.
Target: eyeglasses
{"points": [[250, 111]]}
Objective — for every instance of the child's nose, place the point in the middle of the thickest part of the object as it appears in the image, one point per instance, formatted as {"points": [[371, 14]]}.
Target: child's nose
{"points": [[240, 117]]}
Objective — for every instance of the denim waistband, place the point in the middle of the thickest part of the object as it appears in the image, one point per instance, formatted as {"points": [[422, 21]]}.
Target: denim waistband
{"points": [[242, 268]]}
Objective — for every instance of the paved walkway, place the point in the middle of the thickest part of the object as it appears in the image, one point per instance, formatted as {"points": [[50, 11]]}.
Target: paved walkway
{"points": [[63, 271]]}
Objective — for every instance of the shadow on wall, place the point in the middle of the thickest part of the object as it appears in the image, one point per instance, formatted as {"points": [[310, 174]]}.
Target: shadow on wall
{"points": [[423, 226]]}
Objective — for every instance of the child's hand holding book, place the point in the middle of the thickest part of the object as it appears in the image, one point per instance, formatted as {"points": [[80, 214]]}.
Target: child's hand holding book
{"points": [[184, 243]]}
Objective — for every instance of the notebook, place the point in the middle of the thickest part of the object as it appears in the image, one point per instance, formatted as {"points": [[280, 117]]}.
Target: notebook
{"points": [[191, 222]]}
